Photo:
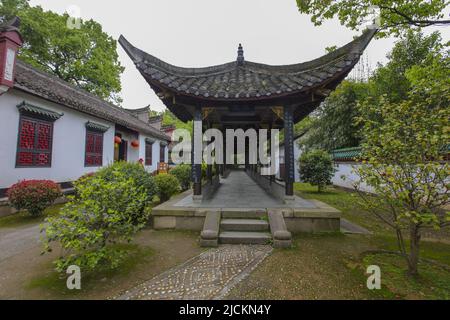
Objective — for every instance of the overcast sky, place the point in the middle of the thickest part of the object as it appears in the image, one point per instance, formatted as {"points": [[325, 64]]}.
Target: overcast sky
{"points": [[198, 33]]}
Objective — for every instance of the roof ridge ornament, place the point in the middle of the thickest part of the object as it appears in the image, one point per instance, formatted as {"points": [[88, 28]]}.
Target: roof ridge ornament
{"points": [[240, 57]]}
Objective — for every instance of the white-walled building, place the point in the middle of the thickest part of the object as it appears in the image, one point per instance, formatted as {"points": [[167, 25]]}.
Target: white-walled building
{"points": [[50, 129]]}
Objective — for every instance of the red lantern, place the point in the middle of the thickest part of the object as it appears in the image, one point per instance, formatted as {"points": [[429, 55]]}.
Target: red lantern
{"points": [[135, 144], [117, 140]]}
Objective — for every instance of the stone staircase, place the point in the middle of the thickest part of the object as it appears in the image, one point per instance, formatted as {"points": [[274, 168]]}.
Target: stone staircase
{"points": [[244, 227], [244, 231]]}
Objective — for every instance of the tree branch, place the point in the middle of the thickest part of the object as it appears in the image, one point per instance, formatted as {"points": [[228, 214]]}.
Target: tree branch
{"points": [[410, 20]]}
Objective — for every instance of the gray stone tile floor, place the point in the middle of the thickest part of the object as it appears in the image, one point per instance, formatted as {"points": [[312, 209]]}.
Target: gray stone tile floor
{"points": [[207, 276], [238, 190]]}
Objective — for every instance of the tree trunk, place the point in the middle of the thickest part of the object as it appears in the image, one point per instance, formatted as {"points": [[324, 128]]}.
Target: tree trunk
{"points": [[413, 259]]}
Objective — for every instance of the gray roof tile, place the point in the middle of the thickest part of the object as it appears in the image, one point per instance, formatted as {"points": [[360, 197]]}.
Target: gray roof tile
{"points": [[49, 87], [248, 80]]}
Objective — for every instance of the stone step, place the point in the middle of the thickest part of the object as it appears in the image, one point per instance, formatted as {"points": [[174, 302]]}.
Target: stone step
{"points": [[239, 237], [244, 225], [243, 214]]}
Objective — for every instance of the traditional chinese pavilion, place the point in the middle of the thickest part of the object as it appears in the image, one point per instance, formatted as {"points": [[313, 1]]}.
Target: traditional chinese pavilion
{"points": [[245, 94]]}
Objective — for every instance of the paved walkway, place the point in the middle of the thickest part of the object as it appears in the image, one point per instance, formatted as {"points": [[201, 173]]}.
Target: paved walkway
{"points": [[14, 241], [208, 276], [238, 190]]}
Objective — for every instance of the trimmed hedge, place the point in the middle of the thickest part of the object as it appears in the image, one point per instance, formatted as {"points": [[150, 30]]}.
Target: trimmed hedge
{"points": [[33, 195]]}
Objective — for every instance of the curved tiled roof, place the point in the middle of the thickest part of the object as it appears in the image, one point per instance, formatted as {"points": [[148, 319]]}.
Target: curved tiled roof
{"points": [[49, 87], [243, 80]]}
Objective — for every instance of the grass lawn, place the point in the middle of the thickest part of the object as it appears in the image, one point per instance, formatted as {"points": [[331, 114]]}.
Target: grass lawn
{"points": [[32, 276], [318, 266], [332, 266], [23, 218]]}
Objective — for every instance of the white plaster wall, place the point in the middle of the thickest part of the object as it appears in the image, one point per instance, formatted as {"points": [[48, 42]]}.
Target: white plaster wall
{"points": [[68, 150], [297, 154], [155, 152], [348, 170]]}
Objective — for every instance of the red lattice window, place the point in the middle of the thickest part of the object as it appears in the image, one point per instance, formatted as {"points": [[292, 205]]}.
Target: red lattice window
{"points": [[94, 149], [34, 148], [148, 154]]}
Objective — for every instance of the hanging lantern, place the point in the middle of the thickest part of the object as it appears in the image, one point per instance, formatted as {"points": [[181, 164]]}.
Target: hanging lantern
{"points": [[135, 143], [117, 140]]}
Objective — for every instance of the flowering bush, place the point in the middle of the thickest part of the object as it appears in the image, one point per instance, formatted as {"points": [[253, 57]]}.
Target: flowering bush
{"points": [[168, 185], [33, 195]]}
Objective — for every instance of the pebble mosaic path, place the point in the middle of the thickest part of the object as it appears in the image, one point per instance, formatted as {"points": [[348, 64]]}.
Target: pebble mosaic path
{"points": [[209, 275]]}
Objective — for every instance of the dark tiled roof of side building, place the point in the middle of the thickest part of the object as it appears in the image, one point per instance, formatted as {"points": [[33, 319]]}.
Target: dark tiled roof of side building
{"points": [[51, 88], [347, 154]]}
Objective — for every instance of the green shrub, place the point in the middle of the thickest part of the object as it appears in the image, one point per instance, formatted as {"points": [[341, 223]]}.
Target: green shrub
{"points": [[183, 173], [168, 185], [133, 170], [109, 207], [316, 167], [33, 195], [204, 169]]}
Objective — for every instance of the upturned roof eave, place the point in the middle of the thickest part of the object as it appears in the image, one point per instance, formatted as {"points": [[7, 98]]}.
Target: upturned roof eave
{"points": [[358, 45]]}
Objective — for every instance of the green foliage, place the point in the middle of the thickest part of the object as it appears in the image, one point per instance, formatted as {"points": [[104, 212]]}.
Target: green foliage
{"points": [[86, 57], [403, 146], [133, 170], [412, 49], [168, 185], [183, 173], [170, 119], [333, 125], [395, 17], [316, 167], [109, 207], [33, 195]]}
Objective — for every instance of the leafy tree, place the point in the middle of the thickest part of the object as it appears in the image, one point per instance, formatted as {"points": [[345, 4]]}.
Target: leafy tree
{"points": [[403, 147], [412, 49], [316, 167], [109, 207], [395, 16], [170, 119], [86, 57], [333, 125]]}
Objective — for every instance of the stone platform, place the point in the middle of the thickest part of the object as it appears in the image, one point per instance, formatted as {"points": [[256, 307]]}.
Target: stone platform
{"points": [[239, 196]]}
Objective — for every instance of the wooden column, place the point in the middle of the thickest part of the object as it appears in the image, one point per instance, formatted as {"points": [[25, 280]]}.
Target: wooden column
{"points": [[289, 162], [224, 165], [209, 170], [269, 139], [196, 152]]}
